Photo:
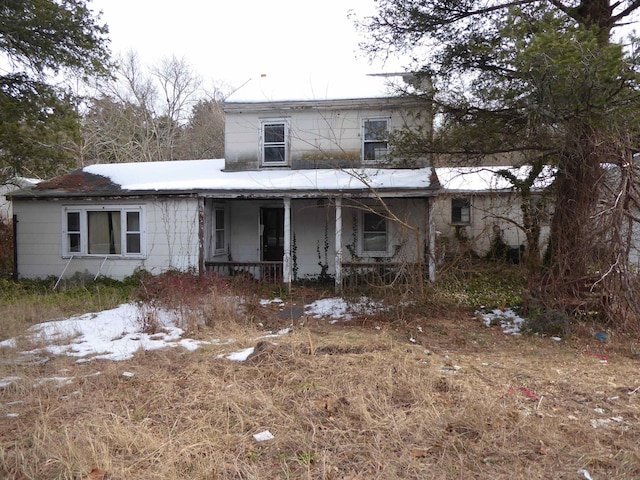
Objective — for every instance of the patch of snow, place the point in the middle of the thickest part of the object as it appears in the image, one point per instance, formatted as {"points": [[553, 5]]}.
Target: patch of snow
{"points": [[10, 343], [5, 382], [479, 179], [210, 175], [265, 302], [339, 309], [60, 381], [240, 356], [510, 322], [110, 335]]}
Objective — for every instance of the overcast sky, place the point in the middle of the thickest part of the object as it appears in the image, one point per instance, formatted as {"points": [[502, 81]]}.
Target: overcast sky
{"points": [[234, 40]]}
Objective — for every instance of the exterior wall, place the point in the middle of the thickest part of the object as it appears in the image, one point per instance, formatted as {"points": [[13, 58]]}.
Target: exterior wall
{"points": [[12, 185], [319, 138], [170, 236], [313, 226], [489, 211], [6, 210]]}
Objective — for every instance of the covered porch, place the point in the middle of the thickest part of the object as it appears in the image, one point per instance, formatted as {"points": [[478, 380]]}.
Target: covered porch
{"points": [[350, 239]]}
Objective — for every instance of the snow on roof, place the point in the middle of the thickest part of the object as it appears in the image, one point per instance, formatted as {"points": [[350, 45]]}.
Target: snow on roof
{"points": [[482, 179], [270, 88], [209, 175]]}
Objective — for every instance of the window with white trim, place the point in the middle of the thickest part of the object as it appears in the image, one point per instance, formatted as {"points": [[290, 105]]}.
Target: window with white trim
{"points": [[374, 234], [274, 142], [375, 140], [461, 211], [219, 229], [104, 231]]}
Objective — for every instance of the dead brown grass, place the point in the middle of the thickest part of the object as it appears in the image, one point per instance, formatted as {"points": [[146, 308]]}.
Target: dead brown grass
{"points": [[367, 404]]}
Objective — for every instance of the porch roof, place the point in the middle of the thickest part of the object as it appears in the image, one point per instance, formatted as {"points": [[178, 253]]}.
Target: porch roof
{"points": [[489, 179], [208, 178]]}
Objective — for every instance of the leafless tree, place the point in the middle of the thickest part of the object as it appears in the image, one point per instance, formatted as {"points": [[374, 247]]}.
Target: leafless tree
{"points": [[152, 114]]}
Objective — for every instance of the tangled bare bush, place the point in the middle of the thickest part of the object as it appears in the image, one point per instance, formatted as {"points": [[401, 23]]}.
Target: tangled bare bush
{"points": [[196, 299]]}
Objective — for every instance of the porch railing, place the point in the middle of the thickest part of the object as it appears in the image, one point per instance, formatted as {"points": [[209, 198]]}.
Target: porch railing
{"points": [[268, 272], [363, 274]]}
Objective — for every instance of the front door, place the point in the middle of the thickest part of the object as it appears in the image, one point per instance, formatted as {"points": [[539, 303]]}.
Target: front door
{"points": [[272, 222]]}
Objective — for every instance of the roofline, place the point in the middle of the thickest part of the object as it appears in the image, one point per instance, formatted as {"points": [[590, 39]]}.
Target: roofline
{"points": [[232, 194], [345, 103]]}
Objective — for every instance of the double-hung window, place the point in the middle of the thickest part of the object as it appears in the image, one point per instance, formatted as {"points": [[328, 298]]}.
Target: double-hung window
{"points": [[375, 140], [108, 230], [461, 211], [374, 234], [219, 239], [275, 139]]}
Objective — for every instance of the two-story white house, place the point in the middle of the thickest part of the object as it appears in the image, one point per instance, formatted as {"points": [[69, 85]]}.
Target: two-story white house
{"points": [[307, 188]]}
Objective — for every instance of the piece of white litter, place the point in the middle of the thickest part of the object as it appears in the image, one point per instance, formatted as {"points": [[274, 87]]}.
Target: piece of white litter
{"points": [[240, 356], [556, 339], [279, 333], [585, 473], [128, 374], [13, 415], [600, 422], [263, 436], [412, 340]]}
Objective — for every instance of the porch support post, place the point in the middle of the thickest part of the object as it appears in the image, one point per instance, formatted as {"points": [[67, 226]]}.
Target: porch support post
{"points": [[201, 235], [338, 245], [431, 232], [286, 259]]}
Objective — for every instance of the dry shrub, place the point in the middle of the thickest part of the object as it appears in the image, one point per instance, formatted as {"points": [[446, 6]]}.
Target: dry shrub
{"points": [[198, 300]]}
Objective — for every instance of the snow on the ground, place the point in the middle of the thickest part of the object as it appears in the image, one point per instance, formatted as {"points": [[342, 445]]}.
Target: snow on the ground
{"points": [[340, 309], [117, 334], [114, 334], [510, 322]]}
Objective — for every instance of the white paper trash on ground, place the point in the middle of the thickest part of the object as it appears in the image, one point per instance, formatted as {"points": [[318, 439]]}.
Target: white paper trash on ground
{"points": [[263, 436]]}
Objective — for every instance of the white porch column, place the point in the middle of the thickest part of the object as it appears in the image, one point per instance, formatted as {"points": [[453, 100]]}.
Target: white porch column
{"points": [[286, 259], [431, 231], [338, 245]]}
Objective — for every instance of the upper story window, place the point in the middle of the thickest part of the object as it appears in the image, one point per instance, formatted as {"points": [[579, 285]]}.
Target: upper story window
{"points": [[275, 140], [375, 140], [461, 211], [110, 230]]}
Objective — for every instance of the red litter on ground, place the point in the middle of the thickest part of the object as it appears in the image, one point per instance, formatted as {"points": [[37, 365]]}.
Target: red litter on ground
{"points": [[530, 395], [603, 358]]}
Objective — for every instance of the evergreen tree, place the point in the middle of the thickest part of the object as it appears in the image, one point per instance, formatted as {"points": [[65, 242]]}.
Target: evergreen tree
{"points": [[539, 83], [40, 40]]}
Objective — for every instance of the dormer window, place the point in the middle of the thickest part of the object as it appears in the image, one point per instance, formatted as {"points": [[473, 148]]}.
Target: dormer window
{"points": [[375, 140], [275, 139]]}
